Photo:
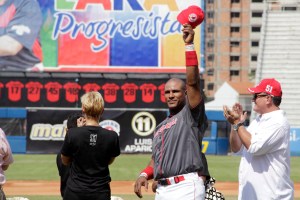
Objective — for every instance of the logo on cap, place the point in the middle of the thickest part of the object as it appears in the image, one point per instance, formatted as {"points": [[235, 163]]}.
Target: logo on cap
{"points": [[269, 86], [192, 17]]}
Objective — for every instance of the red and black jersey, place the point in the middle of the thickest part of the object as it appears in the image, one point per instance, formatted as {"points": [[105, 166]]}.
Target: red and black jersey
{"points": [[72, 91], [162, 92], [129, 92], [148, 92], [180, 129], [14, 90], [33, 91], [110, 92], [89, 87], [53, 91]]}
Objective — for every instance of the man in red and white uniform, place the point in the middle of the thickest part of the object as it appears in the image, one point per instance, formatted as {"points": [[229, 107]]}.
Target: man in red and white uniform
{"points": [[20, 24], [177, 164]]}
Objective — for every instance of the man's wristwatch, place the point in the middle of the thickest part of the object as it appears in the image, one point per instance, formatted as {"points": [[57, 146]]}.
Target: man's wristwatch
{"points": [[236, 126]]}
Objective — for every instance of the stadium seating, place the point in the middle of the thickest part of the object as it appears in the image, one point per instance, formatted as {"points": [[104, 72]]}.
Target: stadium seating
{"points": [[279, 53]]}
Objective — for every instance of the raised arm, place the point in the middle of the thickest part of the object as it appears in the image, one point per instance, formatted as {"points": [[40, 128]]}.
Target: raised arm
{"points": [[192, 70]]}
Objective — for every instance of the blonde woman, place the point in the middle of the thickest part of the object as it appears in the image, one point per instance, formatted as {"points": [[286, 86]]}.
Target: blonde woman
{"points": [[90, 149]]}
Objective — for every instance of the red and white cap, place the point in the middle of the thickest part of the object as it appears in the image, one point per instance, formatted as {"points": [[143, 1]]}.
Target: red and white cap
{"points": [[193, 15], [268, 86]]}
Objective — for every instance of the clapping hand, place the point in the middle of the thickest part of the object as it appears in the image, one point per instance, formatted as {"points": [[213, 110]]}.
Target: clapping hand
{"points": [[235, 115]]}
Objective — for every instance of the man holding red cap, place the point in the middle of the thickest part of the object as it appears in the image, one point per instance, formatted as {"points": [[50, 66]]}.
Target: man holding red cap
{"points": [[264, 171], [177, 164]]}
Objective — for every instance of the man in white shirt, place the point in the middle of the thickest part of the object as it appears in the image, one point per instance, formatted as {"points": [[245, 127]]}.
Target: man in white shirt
{"points": [[264, 171], [5, 160]]}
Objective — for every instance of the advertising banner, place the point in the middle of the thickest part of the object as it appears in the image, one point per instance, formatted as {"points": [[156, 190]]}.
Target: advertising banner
{"points": [[113, 35], [46, 128], [94, 35]]}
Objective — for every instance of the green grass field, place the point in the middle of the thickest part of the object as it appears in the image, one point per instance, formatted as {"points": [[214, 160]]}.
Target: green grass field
{"points": [[125, 167]]}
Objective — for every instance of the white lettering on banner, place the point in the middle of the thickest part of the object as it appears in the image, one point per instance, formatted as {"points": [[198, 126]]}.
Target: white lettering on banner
{"points": [[142, 141], [55, 132], [151, 27], [140, 145], [293, 136], [138, 148]]}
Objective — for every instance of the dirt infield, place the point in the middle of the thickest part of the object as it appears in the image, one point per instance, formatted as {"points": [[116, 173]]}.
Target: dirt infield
{"points": [[117, 187]]}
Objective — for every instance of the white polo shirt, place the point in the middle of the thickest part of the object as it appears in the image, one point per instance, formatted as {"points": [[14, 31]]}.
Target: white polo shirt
{"points": [[264, 171]]}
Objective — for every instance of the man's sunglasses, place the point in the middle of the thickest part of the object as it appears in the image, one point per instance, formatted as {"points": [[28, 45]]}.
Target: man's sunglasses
{"points": [[255, 96]]}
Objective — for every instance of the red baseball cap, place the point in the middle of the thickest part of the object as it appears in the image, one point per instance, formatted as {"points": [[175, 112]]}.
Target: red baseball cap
{"points": [[269, 86], [193, 15]]}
